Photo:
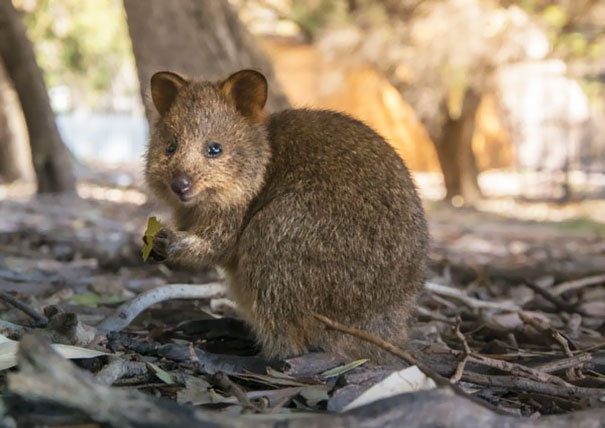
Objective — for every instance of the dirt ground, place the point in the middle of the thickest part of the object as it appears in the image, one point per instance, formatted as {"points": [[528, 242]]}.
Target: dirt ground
{"points": [[514, 311]]}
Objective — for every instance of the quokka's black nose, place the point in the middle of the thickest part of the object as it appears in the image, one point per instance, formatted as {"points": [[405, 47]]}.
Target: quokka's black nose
{"points": [[181, 184]]}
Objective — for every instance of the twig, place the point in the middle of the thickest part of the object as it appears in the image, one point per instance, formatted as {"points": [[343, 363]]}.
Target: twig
{"points": [[565, 363], [517, 383], [39, 319], [460, 336], [424, 312], [124, 315], [556, 336], [468, 300], [383, 344], [459, 369], [517, 370], [514, 369], [227, 385], [463, 356], [578, 283], [560, 304], [548, 332], [407, 357]]}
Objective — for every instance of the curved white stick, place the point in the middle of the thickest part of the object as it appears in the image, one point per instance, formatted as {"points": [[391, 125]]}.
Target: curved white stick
{"points": [[124, 315]]}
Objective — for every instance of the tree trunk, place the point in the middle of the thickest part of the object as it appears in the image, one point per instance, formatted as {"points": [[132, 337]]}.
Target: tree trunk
{"points": [[51, 159], [455, 152], [201, 39], [15, 157]]}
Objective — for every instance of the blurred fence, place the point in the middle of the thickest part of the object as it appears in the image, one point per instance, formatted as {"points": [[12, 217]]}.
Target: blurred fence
{"points": [[558, 135]]}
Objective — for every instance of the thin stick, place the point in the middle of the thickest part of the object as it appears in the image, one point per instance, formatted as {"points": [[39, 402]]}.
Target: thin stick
{"points": [[463, 356], [459, 369], [124, 315], [226, 384], [383, 344], [549, 332], [565, 363], [516, 383], [517, 370], [407, 357], [578, 283], [556, 336], [39, 319], [468, 300], [513, 368], [560, 304]]}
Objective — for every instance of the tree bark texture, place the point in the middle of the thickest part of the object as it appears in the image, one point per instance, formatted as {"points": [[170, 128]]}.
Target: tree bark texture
{"points": [[200, 39], [51, 159], [15, 157]]}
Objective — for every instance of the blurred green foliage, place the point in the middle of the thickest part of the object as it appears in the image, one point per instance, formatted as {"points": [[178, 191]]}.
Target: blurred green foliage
{"points": [[574, 31], [80, 43]]}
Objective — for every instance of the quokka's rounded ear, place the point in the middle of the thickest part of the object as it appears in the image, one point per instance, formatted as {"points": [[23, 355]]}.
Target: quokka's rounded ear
{"points": [[165, 86], [248, 90]]}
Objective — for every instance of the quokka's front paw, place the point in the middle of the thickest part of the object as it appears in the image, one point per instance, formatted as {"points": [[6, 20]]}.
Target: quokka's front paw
{"points": [[164, 245]]}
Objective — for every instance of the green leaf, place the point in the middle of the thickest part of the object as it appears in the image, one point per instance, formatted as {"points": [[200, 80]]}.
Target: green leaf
{"points": [[162, 375], [153, 227], [337, 371], [93, 300]]}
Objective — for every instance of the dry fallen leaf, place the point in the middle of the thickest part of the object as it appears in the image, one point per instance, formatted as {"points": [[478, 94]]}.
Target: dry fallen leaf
{"points": [[8, 352], [407, 380], [161, 374]]}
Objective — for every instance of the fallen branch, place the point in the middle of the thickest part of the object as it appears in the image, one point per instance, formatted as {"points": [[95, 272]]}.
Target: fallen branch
{"points": [[555, 300], [468, 300], [516, 383], [124, 315], [565, 363], [577, 284]]}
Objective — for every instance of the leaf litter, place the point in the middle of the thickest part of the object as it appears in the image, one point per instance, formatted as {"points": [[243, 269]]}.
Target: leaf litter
{"points": [[492, 313]]}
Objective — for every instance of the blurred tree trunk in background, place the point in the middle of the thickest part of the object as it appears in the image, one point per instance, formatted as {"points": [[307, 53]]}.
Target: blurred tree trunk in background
{"points": [[50, 157], [455, 151], [15, 159], [197, 38]]}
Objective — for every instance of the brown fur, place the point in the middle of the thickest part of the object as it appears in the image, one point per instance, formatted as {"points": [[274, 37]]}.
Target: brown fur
{"points": [[307, 211]]}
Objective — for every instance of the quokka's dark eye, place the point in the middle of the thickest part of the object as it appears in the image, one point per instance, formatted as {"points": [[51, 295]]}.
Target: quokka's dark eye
{"points": [[171, 148], [213, 149]]}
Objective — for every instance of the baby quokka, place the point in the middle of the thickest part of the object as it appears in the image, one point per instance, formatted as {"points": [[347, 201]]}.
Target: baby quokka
{"points": [[307, 211]]}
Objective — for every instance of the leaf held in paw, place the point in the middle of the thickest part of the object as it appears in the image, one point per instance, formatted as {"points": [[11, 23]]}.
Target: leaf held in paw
{"points": [[153, 227]]}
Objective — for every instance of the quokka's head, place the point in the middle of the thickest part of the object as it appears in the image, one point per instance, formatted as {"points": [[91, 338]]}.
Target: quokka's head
{"points": [[209, 144]]}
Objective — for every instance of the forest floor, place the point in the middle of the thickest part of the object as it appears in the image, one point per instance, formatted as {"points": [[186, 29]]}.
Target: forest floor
{"points": [[514, 314]]}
